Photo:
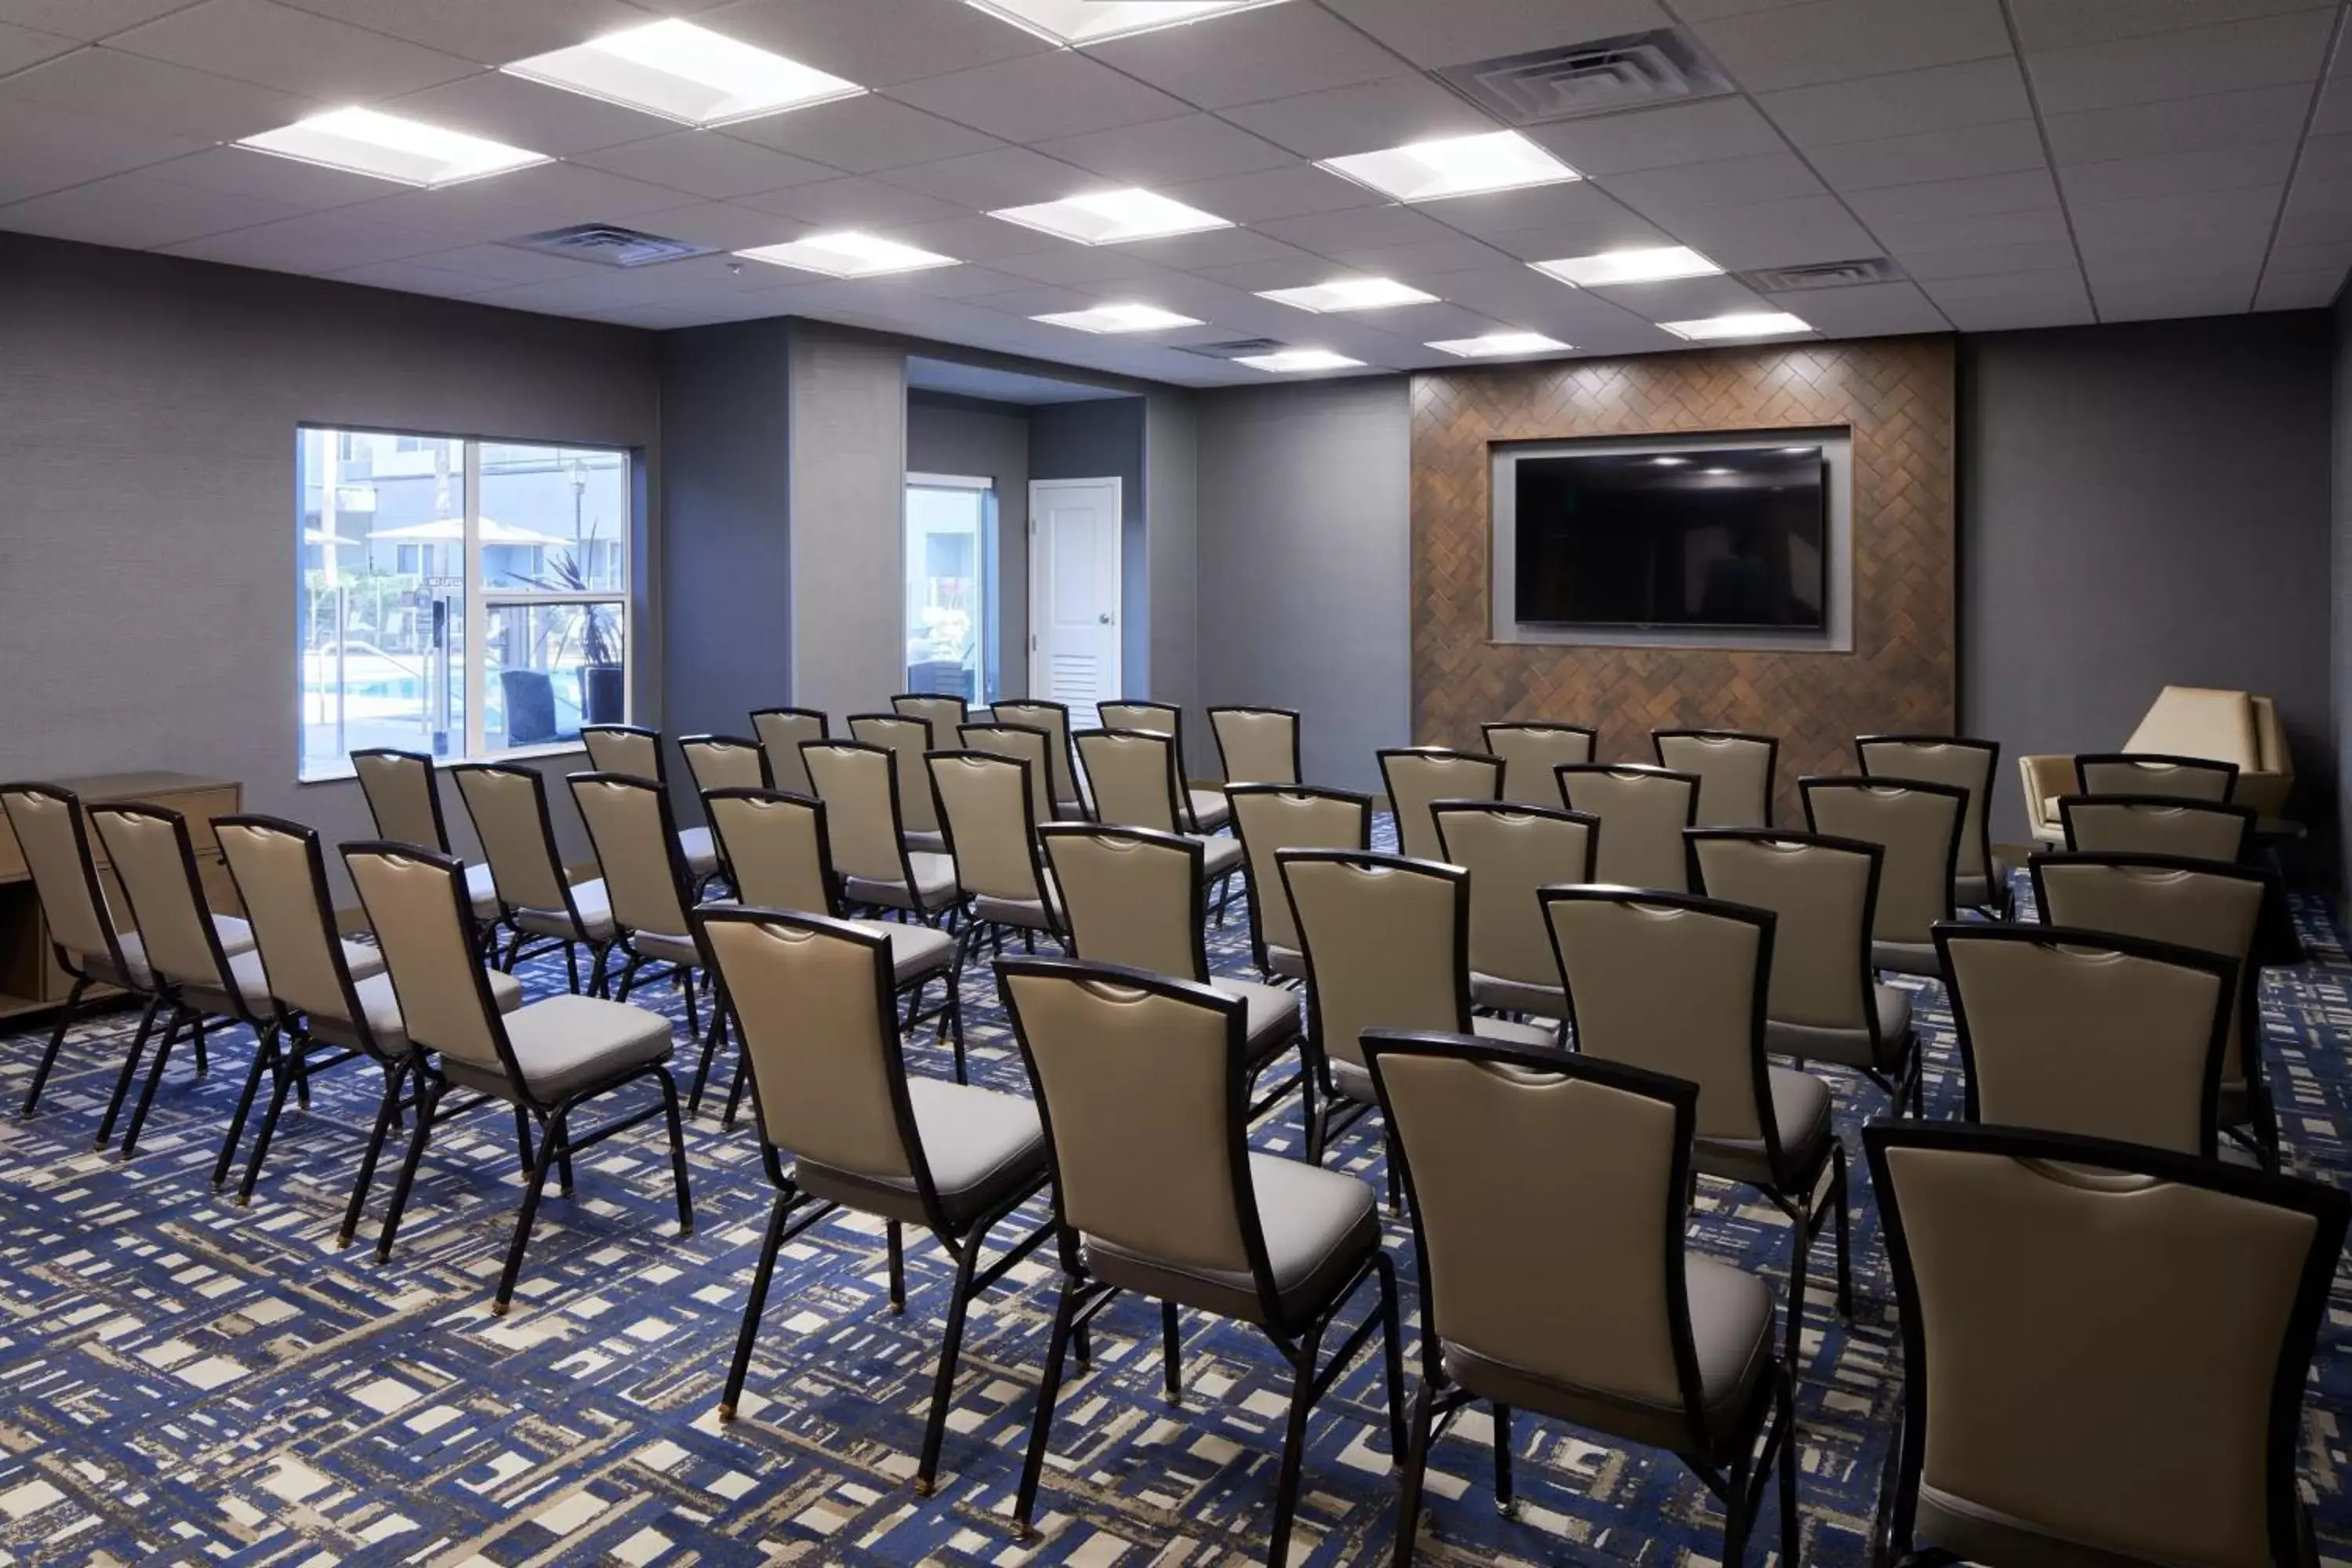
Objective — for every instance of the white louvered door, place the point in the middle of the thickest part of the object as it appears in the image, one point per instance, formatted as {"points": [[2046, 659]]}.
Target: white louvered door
{"points": [[1074, 595]]}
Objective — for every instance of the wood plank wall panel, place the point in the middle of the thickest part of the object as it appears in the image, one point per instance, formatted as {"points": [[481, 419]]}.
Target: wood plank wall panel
{"points": [[1898, 397]]}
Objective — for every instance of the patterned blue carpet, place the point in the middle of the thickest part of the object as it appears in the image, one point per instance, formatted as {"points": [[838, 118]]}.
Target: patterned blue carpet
{"points": [[183, 1380]]}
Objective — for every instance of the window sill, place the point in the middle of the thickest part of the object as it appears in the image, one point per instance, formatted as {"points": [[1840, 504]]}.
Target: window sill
{"points": [[517, 755]]}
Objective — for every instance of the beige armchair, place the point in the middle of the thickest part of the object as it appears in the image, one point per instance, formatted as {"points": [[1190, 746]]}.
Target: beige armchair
{"points": [[2185, 722]]}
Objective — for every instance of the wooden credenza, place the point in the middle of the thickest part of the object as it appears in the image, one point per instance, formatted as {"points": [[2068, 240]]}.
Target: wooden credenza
{"points": [[30, 979]]}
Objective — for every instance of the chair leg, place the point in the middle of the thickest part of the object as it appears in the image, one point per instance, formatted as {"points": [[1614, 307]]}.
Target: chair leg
{"points": [[123, 1080], [147, 1090], [735, 1088], [393, 1078], [287, 1074], [953, 1025], [753, 1305], [1505, 1503], [1735, 1514], [693, 1010], [1845, 1244], [563, 1157], [598, 968], [265, 1059], [1024, 1499], [927, 1468], [895, 1243], [1171, 1358], [711, 1039], [1393, 1350], [1416, 1466], [556, 1137], [203, 1064], [1293, 1448], [1797, 1248], [1791, 1524], [57, 1040], [628, 981], [676, 1152], [428, 1099], [571, 963]]}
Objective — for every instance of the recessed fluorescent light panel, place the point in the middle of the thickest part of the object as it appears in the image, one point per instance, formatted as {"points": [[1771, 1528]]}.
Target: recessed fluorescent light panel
{"points": [[1290, 362], [1091, 21], [685, 73], [1112, 218], [1455, 166], [1741, 324], [390, 148], [848, 255], [1349, 294], [1653, 263], [1500, 346], [1118, 319]]}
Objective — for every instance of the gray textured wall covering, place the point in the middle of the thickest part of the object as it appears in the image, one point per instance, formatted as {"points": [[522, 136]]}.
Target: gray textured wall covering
{"points": [[848, 495]]}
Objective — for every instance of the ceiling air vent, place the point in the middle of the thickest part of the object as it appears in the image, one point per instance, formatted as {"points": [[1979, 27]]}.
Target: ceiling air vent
{"points": [[610, 245], [1822, 274], [1632, 70], [1238, 349]]}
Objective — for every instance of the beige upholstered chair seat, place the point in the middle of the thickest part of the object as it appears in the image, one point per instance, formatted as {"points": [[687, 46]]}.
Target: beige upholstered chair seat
{"points": [[1917, 958], [566, 1043], [926, 843], [1274, 1015], [1210, 810], [1219, 856], [596, 915], [982, 1146], [1801, 1113], [244, 971], [1517, 995], [1731, 1328], [914, 950], [1030, 914], [1851, 1048], [382, 1011], [1286, 962], [236, 937], [482, 891], [700, 850], [1318, 1226], [1356, 1084], [935, 884]]}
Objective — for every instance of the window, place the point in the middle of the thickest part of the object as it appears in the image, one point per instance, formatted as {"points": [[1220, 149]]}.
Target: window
{"points": [[951, 586], [460, 598]]}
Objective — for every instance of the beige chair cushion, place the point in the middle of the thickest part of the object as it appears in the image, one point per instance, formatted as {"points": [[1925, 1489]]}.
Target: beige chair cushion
{"points": [[1732, 1330], [1319, 1226], [1211, 809], [1272, 1020], [1219, 855], [1286, 962], [1851, 1048], [2199, 722], [1801, 1113], [701, 854], [1518, 996], [236, 937], [1919, 958], [1028, 914], [916, 952], [382, 1011], [982, 1146], [935, 884], [567, 1043], [1356, 1084], [482, 892], [595, 916], [926, 843]]}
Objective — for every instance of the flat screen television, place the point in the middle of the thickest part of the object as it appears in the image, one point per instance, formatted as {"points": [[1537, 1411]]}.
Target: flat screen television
{"points": [[1730, 538]]}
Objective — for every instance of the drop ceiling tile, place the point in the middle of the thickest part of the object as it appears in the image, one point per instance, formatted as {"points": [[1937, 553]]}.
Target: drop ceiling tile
{"points": [[705, 164], [87, 20], [505, 207], [1168, 152], [1984, 195], [2252, 118], [855, 203], [2202, 214], [1448, 252], [2062, 23], [1521, 296], [529, 114], [2032, 256], [1836, 40], [864, 135], [1221, 248], [1942, 98], [1866, 310], [315, 242], [2334, 115], [2177, 174], [1460, 31], [1622, 231], [1664, 193], [22, 46], [2031, 225], [1293, 271], [2058, 290], [138, 211], [132, 91], [875, 43], [1362, 119], [1425, 323], [2056, 307], [2316, 226], [974, 237], [2298, 291], [2171, 298], [2189, 63], [1580, 204], [1001, 177], [490, 34], [417, 278], [1294, 192], [1040, 96], [722, 224], [1710, 130], [2010, 147], [2238, 257], [2333, 257], [294, 51], [1776, 234], [1683, 298], [957, 282], [2324, 158], [1357, 228], [1276, 52], [500, 265], [1025, 299], [49, 149], [1079, 266]]}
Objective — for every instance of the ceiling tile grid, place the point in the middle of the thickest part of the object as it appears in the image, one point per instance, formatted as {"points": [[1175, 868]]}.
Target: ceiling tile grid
{"points": [[2006, 163]]}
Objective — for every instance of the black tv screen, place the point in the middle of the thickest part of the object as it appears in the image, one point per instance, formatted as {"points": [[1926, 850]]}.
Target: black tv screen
{"points": [[1735, 538]]}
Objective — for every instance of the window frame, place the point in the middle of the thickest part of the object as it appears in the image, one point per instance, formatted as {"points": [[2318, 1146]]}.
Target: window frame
{"points": [[480, 601]]}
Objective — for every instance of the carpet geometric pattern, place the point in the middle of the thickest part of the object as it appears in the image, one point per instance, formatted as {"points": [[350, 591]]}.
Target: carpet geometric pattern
{"points": [[184, 1380]]}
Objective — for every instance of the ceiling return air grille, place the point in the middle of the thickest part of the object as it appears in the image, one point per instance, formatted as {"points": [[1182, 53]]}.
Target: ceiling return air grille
{"points": [[1631, 70], [1239, 348], [610, 245], [1822, 274]]}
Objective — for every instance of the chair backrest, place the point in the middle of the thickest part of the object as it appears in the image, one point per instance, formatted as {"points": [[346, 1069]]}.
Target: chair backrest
{"points": [[1387, 941], [1595, 1299], [811, 997], [1130, 897], [2199, 904], [2158, 824], [1531, 752], [1675, 984], [1736, 772], [1916, 825], [1025, 745], [54, 837], [2155, 1415], [1821, 892], [2140, 773], [1133, 776], [775, 848], [1256, 745], [416, 905], [782, 732], [863, 825], [1270, 817], [906, 740], [2090, 1033], [1642, 811], [1414, 776], [280, 872], [1138, 1080], [402, 796], [1154, 718], [988, 806], [508, 808], [942, 711], [724, 761], [151, 853], [1510, 852], [635, 843], [1034, 713], [1955, 760], [629, 749]]}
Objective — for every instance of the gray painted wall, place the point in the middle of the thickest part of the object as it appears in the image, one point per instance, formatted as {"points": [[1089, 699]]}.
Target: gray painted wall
{"points": [[2145, 505], [1305, 565], [147, 407], [1172, 463], [986, 440], [1102, 440], [2340, 573], [848, 427]]}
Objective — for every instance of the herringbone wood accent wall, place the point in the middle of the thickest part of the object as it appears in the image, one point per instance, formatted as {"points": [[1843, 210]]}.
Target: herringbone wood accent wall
{"points": [[1896, 395]]}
